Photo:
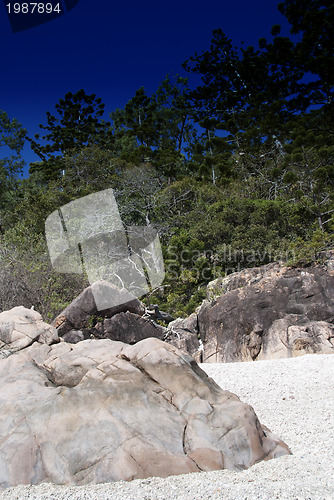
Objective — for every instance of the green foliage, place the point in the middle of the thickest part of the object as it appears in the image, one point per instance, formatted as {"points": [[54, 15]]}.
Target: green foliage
{"points": [[305, 251], [27, 277], [78, 125], [156, 129], [257, 95], [313, 20], [211, 234], [88, 170], [235, 172], [245, 92], [34, 201], [12, 139]]}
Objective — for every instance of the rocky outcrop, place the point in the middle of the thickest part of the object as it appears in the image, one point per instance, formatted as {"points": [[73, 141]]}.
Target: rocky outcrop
{"points": [[269, 312], [101, 411], [122, 321], [20, 327], [260, 313], [294, 336], [246, 277]]}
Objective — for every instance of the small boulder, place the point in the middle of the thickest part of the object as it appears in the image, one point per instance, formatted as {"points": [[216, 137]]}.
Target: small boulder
{"points": [[183, 334], [20, 327], [131, 328], [73, 336]]}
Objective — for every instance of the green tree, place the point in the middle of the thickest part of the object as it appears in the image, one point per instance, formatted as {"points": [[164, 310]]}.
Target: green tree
{"points": [[254, 94], [173, 116], [211, 155], [79, 124], [90, 169], [156, 129], [309, 168], [313, 22], [136, 121], [245, 92], [12, 139], [173, 120]]}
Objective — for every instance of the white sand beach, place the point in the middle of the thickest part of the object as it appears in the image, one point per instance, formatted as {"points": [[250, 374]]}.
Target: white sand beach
{"points": [[293, 397]]}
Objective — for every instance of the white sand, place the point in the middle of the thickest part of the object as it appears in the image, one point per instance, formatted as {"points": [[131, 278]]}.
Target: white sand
{"points": [[293, 397]]}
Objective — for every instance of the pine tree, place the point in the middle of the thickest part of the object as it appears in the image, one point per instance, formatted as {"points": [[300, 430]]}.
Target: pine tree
{"points": [[79, 124], [12, 139]]}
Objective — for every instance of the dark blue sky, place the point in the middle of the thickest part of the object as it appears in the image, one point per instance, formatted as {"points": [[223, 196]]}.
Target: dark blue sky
{"points": [[112, 48]]}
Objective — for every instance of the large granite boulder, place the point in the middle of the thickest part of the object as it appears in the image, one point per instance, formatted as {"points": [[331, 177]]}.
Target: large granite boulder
{"points": [[82, 314], [20, 327], [269, 312], [101, 411]]}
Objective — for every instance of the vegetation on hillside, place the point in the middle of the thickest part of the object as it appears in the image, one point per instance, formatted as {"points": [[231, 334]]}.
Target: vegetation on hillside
{"points": [[236, 172]]}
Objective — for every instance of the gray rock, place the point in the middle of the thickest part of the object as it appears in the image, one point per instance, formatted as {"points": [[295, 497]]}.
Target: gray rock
{"points": [[183, 333], [158, 315], [131, 328], [73, 336], [96, 412], [246, 277], [79, 313], [291, 336], [269, 312]]}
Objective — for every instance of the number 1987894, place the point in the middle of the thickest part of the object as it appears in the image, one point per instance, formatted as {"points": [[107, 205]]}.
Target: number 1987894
{"points": [[33, 8]]}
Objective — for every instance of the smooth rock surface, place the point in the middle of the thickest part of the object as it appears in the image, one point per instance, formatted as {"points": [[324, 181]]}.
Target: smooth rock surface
{"points": [[101, 411]]}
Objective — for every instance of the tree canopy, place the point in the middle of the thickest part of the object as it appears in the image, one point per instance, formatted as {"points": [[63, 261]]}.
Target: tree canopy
{"points": [[79, 124]]}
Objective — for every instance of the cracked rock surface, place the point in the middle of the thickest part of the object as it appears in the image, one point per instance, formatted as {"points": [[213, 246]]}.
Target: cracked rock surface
{"points": [[96, 412]]}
